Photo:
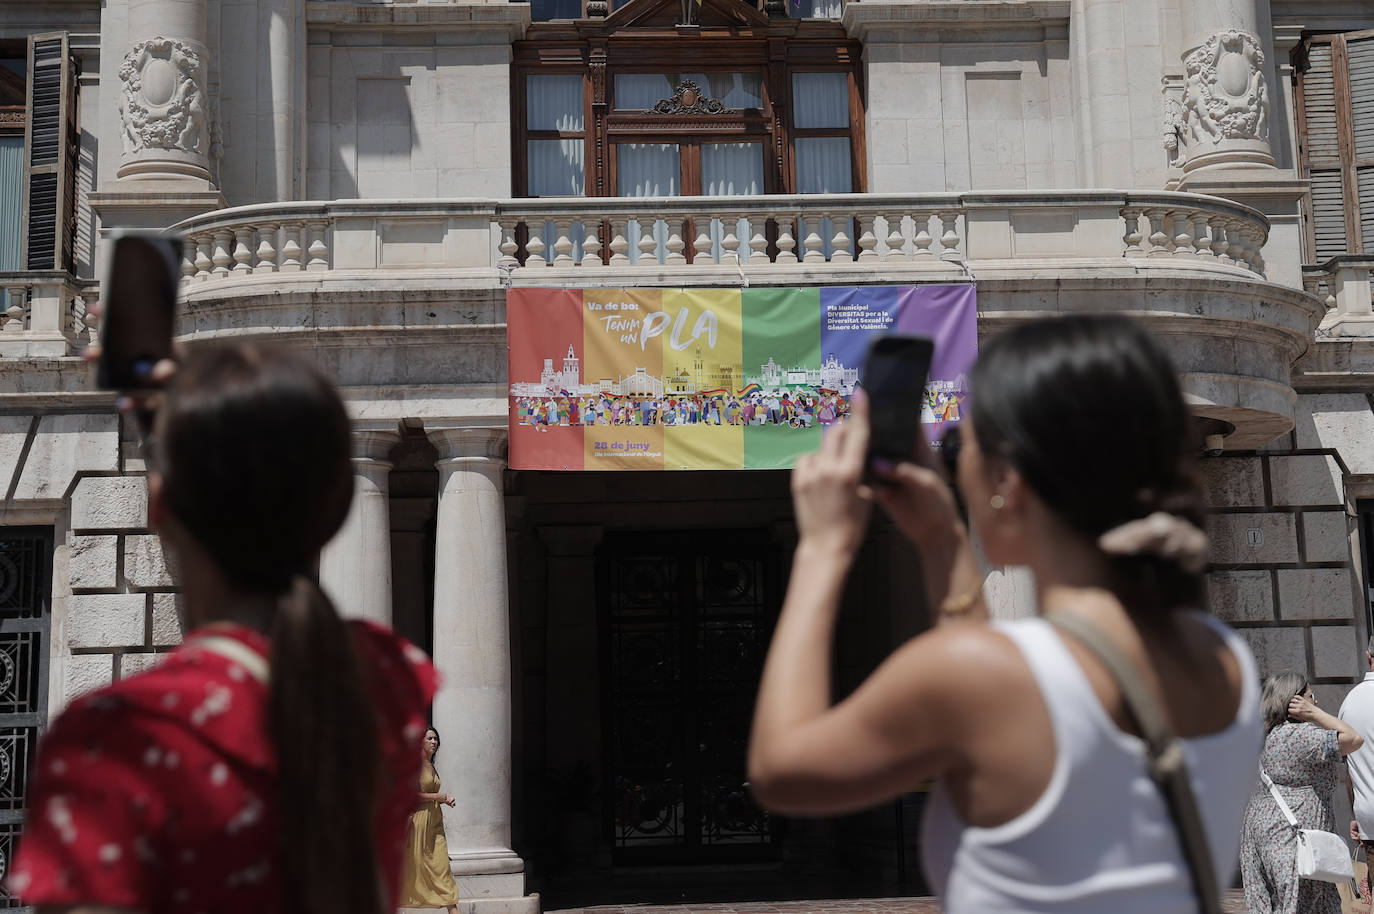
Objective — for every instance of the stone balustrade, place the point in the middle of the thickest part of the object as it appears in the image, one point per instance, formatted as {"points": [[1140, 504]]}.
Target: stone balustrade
{"points": [[44, 314], [1346, 284], [941, 232]]}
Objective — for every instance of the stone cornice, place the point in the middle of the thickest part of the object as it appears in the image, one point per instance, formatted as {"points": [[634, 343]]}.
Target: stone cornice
{"points": [[861, 17], [511, 18]]}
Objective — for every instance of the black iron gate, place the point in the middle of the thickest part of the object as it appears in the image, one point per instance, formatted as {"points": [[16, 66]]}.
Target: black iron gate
{"points": [[686, 619], [25, 598]]}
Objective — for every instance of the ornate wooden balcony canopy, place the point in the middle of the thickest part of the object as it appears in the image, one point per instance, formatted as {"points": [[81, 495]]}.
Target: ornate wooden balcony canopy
{"points": [[725, 36]]}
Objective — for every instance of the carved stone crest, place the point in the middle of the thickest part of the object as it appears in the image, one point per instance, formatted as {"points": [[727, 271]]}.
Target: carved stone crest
{"points": [[162, 105], [688, 99], [1225, 95]]}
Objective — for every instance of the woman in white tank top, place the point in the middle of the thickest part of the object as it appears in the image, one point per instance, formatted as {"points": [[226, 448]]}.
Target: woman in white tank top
{"points": [[1079, 464]]}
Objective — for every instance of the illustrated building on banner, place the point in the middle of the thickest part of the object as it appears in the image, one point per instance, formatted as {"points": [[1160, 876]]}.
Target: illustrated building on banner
{"points": [[567, 381]]}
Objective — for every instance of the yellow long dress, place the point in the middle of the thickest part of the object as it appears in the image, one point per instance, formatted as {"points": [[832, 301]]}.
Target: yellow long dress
{"points": [[428, 881]]}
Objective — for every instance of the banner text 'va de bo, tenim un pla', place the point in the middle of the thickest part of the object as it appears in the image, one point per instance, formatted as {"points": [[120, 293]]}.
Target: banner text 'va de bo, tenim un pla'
{"points": [[712, 379]]}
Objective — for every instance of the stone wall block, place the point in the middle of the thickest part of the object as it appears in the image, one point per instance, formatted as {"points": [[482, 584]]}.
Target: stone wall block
{"points": [[92, 561], [106, 620], [1241, 596], [64, 446], [145, 564], [1343, 421], [133, 664], [86, 673], [166, 619], [1315, 593], [1325, 536], [1233, 482], [1278, 539], [1335, 651], [1277, 649], [110, 502], [1306, 480]]}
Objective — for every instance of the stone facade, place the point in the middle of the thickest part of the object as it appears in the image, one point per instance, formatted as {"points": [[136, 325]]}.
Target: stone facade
{"points": [[345, 174]]}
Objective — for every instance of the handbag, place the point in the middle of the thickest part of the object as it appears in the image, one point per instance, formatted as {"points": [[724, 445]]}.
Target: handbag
{"points": [[1166, 762], [1322, 855]]}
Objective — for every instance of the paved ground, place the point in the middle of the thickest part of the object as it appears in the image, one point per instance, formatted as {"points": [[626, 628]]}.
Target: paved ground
{"points": [[1233, 903]]}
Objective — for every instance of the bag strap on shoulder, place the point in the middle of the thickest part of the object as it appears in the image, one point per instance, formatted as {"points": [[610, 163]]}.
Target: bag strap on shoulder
{"points": [[1278, 798], [1167, 764]]}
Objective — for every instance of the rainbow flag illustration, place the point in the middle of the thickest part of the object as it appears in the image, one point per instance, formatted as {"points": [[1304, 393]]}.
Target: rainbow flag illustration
{"points": [[644, 354]]}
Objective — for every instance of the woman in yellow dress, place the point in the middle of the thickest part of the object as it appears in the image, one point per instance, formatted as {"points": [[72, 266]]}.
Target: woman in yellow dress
{"points": [[428, 879]]}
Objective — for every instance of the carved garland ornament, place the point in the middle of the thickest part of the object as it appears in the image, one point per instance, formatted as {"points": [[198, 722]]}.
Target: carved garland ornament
{"points": [[162, 106], [1174, 130], [1225, 96], [688, 99]]}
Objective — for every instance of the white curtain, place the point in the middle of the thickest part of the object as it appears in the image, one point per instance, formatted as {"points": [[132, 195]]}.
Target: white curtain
{"points": [[815, 9], [641, 91], [820, 100], [557, 168], [823, 168], [732, 169], [648, 170], [553, 102]]}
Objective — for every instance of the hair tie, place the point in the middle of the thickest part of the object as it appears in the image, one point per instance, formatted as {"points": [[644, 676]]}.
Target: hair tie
{"points": [[1167, 536]]}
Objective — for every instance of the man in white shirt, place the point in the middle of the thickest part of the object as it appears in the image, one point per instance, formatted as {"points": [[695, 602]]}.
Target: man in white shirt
{"points": [[1358, 711]]}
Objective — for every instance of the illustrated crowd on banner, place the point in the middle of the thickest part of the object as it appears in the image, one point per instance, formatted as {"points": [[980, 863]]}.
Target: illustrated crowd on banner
{"points": [[751, 406]]}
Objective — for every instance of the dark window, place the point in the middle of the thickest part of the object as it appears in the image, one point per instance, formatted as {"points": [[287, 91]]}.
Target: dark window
{"points": [[25, 607]]}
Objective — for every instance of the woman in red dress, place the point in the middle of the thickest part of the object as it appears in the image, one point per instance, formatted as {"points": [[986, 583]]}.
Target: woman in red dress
{"points": [[268, 764]]}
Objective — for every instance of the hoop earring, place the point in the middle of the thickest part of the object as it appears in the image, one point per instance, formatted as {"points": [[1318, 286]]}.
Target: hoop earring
{"points": [[997, 502]]}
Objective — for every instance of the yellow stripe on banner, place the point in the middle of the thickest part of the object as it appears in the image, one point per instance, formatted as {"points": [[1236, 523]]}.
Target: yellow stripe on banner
{"points": [[702, 351]]}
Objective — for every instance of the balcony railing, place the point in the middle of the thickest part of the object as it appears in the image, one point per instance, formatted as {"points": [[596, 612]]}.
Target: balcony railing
{"points": [[44, 314], [539, 239], [1346, 284]]}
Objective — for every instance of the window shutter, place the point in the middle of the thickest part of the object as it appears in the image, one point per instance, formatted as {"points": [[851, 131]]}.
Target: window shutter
{"points": [[1323, 149], [1359, 53], [51, 141]]}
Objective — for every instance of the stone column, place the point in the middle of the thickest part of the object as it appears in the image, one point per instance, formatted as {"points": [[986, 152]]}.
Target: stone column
{"points": [[355, 567], [1226, 87], [164, 88], [472, 651]]}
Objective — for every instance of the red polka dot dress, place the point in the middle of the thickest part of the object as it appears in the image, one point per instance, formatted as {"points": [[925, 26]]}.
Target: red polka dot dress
{"points": [[157, 793]]}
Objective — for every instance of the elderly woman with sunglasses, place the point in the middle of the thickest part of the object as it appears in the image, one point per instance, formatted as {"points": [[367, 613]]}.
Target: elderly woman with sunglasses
{"points": [[1077, 461]]}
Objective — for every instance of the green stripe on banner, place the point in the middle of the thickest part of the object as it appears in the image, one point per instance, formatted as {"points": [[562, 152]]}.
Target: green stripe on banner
{"points": [[782, 332]]}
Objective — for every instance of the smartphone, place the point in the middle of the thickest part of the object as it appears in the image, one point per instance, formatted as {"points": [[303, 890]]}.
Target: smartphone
{"points": [[894, 378], [139, 299]]}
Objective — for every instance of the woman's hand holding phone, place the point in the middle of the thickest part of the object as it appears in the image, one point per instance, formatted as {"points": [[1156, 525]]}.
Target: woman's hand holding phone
{"points": [[830, 500]]}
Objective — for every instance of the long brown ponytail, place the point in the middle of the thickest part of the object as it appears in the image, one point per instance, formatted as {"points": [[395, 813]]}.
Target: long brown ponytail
{"points": [[253, 448], [323, 725]]}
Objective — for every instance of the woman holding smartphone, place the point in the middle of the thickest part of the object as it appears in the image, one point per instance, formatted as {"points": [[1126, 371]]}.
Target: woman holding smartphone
{"points": [[1078, 463], [269, 763]]}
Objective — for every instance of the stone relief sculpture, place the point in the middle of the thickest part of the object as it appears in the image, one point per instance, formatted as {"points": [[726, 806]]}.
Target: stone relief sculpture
{"points": [[1173, 133], [1225, 95], [162, 105]]}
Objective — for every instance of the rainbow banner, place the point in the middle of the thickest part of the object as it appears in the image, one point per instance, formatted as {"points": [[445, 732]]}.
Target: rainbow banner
{"points": [[712, 379]]}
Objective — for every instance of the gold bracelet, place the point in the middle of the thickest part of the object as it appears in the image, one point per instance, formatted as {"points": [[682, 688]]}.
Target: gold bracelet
{"points": [[962, 604]]}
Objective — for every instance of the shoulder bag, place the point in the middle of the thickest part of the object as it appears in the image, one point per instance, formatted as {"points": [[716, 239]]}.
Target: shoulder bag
{"points": [[1322, 854], [1166, 762]]}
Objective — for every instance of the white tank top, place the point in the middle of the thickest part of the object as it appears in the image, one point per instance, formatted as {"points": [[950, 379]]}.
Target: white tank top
{"points": [[1100, 837]]}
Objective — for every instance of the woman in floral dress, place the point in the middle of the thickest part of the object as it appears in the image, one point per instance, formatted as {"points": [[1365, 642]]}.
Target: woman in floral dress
{"points": [[1303, 748]]}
